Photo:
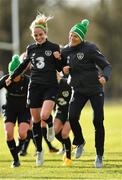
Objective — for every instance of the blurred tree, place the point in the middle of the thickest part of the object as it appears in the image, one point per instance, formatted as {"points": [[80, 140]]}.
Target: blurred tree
{"points": [[109, 21], [27, 12], [5, 31]]}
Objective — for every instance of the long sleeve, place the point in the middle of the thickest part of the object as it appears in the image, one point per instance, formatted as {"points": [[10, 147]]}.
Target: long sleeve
{"points": [[21, 68], [102, 62], [107, 72], [2, 81]]}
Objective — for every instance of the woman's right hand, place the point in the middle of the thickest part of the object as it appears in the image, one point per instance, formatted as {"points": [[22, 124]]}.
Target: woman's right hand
{"points": [[66, 69], [57, 55], [8, 81]]}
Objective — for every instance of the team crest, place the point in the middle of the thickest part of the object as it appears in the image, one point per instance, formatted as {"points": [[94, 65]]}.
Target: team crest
{"points": [[65, 93], [80, 56], [48, 53]]}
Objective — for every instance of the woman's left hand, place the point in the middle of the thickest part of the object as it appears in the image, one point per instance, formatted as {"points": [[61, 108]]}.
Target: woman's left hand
{"points": [[102, 80]]}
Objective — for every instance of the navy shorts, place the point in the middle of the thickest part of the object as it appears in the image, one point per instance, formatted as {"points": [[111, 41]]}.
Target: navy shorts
{"points": [[39, 93], [62, 114], [13, 115]]}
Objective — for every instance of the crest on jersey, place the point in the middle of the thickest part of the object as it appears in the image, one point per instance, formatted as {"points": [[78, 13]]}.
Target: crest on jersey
{"points": [[48, 53], [65, 93], [80, 55]]}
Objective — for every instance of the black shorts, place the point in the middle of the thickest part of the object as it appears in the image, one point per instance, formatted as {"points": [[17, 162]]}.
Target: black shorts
{"points": [[38, 93], [62, 114], [13, 115]]}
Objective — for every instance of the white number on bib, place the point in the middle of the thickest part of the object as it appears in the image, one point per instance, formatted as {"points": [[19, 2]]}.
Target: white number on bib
{"points": [[40, 63]]}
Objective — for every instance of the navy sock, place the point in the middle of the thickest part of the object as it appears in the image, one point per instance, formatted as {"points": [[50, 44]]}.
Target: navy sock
{"points": [[13, 149], [27, 141], [20, 144], [67, 143], [44, 132], [49, 121], [59, 137], [37, 135]]}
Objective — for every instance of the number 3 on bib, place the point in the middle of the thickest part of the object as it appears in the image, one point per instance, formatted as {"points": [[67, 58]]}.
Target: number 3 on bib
{"points": [[40, 63]]}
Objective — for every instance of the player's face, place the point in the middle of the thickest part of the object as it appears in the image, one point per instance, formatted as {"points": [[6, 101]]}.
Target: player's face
{"points": [[74, 39], [39, 35]]}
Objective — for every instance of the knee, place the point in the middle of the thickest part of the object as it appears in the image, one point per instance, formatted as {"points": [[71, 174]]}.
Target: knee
{"points": [[56, 129], [9, 136], [64, 135], [35, 119], [22, 134], [44, 116]]}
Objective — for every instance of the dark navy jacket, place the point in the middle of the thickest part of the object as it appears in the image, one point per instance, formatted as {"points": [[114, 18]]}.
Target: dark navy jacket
{"points": [[85, 60]]}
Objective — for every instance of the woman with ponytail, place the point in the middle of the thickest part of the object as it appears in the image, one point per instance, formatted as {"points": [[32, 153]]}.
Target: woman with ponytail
{"points": [[43, 87]]}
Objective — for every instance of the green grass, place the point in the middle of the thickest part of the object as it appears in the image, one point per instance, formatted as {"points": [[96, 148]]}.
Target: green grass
{"points": [[82, 168]]}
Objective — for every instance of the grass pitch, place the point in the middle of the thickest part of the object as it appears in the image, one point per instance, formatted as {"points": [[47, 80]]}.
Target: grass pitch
{"points": [[82, 168]]}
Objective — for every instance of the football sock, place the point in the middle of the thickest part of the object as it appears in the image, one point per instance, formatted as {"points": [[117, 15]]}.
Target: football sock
{"points": [[27, 140], [59, 137], [44, 132], [49, 121], [67, 143], [12, 147], [20, 144], [37, 135], [63, 146]]}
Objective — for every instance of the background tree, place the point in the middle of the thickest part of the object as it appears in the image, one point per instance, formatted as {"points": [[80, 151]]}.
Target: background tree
{"points": [[108, 19]]}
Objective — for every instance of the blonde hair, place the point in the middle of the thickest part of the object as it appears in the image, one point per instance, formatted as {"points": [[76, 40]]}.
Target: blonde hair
{"points": [[40, 22]]}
